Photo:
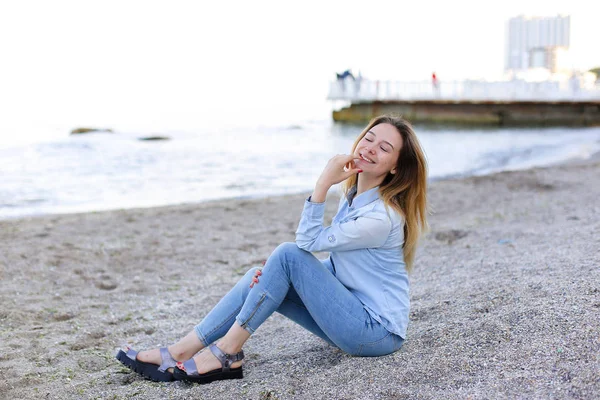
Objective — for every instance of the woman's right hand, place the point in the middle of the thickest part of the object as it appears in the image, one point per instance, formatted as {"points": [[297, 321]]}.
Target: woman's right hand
{"points": [[338, 169]]}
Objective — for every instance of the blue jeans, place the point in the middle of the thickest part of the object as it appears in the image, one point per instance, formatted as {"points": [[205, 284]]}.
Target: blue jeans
{"points": [[301, 287]]}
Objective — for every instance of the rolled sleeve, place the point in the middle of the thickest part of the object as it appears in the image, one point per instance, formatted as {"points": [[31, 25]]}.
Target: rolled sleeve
{"points": [[369, 230]]}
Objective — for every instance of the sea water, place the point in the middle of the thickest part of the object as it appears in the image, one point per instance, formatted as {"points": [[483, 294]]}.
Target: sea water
{"points": [[101, 171]]}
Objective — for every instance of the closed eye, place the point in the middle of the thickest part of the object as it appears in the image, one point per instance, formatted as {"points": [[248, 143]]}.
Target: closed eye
{"points": [[384, 149]]}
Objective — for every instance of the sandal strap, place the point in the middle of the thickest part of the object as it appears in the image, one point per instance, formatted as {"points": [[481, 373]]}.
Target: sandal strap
{"points": [[226, 359], [190, 367], [131, 353], [167, 360]]}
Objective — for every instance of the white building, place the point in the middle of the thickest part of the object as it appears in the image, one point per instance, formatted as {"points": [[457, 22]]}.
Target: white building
{"points": [[538, 42]]}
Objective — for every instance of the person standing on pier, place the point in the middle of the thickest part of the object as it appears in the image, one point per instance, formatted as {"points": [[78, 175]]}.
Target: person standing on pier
{"points": [[341, 78], [435, 84]]}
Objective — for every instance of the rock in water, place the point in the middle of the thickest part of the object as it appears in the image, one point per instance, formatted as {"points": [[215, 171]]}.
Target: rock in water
{"points": [[149, 138], [79, 131]]}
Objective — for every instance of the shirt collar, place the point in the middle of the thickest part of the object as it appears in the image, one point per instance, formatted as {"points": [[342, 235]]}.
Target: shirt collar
{"points": [[362, 199]]}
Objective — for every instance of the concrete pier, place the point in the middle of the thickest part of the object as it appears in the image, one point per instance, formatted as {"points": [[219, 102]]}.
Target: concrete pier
{"points": [[505, 103], [492, 113]]}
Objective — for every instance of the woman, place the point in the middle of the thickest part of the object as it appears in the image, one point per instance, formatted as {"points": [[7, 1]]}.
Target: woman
{"points": [[357, 299]]}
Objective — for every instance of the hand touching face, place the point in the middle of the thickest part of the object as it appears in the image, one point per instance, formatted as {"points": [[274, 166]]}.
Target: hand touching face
{"points": [[339, 168]]}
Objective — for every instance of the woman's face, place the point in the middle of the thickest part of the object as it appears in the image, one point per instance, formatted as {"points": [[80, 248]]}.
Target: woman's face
{"points": [[377, 152]]}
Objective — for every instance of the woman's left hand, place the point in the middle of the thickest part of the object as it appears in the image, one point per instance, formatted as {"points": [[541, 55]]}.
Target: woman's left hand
{"points": [[255, 278], [256, 275]]}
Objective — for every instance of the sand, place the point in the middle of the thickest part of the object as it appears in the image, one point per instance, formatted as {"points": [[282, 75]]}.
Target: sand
{"points": [[505, 297]]}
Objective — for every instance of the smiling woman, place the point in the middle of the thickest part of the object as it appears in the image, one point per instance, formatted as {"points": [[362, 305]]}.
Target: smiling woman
{"points": [[356, 300], [397, 164]]}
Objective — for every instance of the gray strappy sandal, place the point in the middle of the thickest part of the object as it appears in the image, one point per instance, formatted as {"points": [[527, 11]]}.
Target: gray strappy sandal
{"points": [[156, 373], [189, 373]]}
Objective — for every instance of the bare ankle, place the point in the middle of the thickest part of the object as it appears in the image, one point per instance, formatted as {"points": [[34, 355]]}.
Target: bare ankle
{"points": [[179, 354], [228, 348], [185, 348]]}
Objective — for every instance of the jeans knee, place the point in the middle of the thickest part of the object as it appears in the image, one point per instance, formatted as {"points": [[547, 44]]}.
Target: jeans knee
{"points": [[287, 248], [287, 254]]}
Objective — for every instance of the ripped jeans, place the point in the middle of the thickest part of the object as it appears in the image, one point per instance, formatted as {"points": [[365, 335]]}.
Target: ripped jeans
{"points": [[298, 285]]}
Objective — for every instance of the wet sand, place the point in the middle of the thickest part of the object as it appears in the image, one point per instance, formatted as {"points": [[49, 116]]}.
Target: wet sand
{"points": [[505, 297]]}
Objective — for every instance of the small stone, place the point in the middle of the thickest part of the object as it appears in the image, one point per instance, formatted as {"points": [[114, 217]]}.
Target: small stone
{"points": [[64, 316], [106, 284], [97, 334]]}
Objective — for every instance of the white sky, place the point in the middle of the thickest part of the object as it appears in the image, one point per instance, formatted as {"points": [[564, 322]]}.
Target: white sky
{"points": [[122, 62]]}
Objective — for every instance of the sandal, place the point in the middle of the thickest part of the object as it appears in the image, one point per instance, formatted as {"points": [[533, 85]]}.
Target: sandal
{"points": [[189, 372], [156, 373]]}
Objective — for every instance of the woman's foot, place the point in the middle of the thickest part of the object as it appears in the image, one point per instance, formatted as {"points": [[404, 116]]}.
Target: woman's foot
{"points": [[153, 357], [155, 372], [206, 361], [158, 364], [183, 350], [212, 365]]}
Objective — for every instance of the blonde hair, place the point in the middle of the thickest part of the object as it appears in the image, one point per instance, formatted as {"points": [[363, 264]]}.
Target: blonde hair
{"points": [[406, 190]]}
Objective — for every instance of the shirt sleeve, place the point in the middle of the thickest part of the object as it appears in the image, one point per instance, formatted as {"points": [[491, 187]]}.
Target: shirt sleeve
{"points": [[370, 230]]}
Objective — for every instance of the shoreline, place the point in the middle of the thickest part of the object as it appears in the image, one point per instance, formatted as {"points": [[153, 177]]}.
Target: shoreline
{"points": [[332, 193], [504, 297]]}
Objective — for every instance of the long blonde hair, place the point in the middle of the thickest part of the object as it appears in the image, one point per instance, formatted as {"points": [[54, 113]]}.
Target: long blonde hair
{"points": [[406, 190]]}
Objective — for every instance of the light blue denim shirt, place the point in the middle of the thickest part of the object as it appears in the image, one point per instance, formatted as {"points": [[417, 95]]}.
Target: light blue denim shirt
{"points": [[365, 243]]}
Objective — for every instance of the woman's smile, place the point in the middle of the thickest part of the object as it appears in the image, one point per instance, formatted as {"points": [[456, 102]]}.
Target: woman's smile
{"points": [[365, 159]]}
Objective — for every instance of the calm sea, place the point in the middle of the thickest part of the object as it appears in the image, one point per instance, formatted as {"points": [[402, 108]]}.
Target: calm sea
{"points": [[103, 171]]}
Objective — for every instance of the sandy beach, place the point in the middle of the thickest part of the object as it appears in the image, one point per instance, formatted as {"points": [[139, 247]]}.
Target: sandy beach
{"points": [[505, 297]]}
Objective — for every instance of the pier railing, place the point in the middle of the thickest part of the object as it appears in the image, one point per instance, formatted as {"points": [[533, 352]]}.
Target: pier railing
{"points": [[363, 90]]}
